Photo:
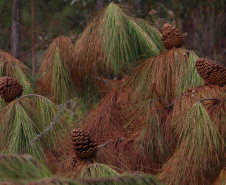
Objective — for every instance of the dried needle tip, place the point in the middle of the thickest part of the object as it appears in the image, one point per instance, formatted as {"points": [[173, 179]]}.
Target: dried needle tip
{"points": [[10, 88], [171, 36]]}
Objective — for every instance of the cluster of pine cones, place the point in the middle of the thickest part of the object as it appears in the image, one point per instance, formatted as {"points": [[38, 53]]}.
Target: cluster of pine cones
{"points": [[212, 72], [84, 145], [10, 88], [171, 36]]}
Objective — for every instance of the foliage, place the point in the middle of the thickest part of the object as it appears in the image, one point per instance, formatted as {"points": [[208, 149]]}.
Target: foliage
{"points": [[221, 177], [120, 180], [126, 179], [23, 119], [160, 119], [151, 139], [174, 70], [200, 153], [56, 70], [21, 168], [186, 101], [98, 170], [104, 118], [114, 39], [12, 67], [110, 42]]}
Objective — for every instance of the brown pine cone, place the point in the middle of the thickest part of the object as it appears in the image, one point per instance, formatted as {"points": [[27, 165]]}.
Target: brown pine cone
{"points": [[211, 72], [10, 88], [84, 145], [171, 36]]}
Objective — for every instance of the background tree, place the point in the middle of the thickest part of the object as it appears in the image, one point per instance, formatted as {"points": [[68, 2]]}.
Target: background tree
{"points": [[70, 17], [15, 34]]}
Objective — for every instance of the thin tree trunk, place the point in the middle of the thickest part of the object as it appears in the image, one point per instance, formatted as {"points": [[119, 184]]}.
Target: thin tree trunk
{"points": [[100, 5], [33, 39], [138, 5], [15, 34]]}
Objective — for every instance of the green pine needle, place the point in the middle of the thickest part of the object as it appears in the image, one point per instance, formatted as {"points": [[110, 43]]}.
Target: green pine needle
{"points": [[98, 170], [22, 120], [21, 168], [165, 76], [109, 44], [200, 153], [12, 67], [127, 39], [125, 179], [151, 138], [55, 71]]}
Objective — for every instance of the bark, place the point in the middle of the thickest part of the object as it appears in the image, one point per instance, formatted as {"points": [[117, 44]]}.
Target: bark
{"points": [[138, 5], [100, 5], [124, 1], [33, 39], [15, 34]]}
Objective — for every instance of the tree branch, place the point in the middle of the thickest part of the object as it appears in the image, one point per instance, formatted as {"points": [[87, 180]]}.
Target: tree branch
{"points": [[55, 120]]}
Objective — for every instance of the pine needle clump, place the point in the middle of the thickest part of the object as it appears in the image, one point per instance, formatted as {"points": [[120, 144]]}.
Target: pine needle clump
{"points": [[125, 179], [55, 71], [190, 97], [12, 67], [105, 117], [98, 170], [160, 119], [10, 88], [113, 40], [152, 139], [21, 169], [221, 179], [84, 145], [171, 37], [22, 120], [73, 166], [212, 72], [200, 153], [165, 76], [110, 43], [125, 154]]}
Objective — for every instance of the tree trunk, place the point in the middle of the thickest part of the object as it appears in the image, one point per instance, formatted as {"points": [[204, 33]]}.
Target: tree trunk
{"points": [[33, 39], [100, 5], [15, 34], [138, 5]]}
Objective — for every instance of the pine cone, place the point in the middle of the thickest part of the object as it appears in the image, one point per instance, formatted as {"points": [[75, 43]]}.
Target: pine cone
{"points": [[84, 145], [10, 88], [212, 72], [171, 36]]}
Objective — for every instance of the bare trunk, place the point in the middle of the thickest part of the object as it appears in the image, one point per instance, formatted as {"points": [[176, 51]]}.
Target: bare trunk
{"points": [[124, 1], [100, 5], [33, 39], [138, 5], [15, 34]]}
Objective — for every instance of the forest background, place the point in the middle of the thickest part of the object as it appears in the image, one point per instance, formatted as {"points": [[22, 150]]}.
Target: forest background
{"points": [[27, 27]]}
